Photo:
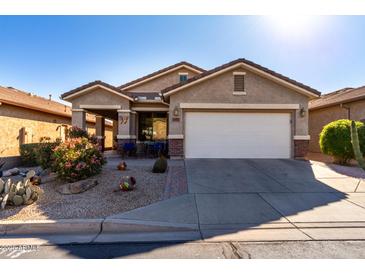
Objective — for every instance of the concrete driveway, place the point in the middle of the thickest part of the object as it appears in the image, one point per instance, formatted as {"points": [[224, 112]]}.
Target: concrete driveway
{"points": [[261, 200]]}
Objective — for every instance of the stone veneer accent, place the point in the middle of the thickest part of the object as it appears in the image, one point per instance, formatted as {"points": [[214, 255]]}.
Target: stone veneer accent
{"points": [[176, 148], [300, 148]]}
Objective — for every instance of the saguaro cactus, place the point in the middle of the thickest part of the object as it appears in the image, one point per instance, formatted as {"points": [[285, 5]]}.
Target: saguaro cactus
{"points": [[356, 145]]}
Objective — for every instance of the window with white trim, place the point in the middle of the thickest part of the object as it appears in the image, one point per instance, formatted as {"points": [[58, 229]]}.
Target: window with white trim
{"points": [[183, 76]]}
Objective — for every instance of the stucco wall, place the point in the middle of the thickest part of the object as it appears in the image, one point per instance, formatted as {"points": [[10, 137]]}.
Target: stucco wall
{"points": [[321, 117], [37, 124], [162, 82], [99, 96], [219, 90]]}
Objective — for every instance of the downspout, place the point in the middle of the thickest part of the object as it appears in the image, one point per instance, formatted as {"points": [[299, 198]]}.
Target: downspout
{"points": [[348, 110]]}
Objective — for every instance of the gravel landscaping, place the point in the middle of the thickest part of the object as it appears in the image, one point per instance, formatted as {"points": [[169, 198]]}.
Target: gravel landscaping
{"points": [[97, 202]]}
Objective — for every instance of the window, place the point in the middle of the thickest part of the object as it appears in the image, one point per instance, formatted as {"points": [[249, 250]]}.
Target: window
{"points": [[239, 82], [152, 126], [183, 77]]}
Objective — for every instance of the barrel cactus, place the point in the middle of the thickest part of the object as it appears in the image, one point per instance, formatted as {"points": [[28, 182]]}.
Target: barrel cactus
{"points": [[160, 165], [18, 193]]}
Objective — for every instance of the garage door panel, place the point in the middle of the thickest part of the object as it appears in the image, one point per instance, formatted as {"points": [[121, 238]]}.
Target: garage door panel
{"points": [[237, 135]]}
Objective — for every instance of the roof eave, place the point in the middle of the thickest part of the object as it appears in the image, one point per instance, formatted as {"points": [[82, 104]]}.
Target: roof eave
{"points": [[309, 93], [145, 79], [66, 96]]}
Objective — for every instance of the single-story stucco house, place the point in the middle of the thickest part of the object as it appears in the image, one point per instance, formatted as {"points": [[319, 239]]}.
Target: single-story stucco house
{"points": [[237, 110], [346, 103], [26, 118]]}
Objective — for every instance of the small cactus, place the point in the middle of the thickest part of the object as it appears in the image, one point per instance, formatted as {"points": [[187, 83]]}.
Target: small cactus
{"points": [[17, 200], [20, 193], [2, 185], [356, 146], [160, 165]]}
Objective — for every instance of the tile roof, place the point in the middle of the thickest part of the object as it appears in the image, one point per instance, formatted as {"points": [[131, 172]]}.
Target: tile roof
{"points": [[245, 61], [183, 63], [94, 83], [344, 95], [12, 96]]}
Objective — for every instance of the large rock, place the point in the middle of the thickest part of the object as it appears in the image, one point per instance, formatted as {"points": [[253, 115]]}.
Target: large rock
{"points": [[77, 187], [50, 177]]}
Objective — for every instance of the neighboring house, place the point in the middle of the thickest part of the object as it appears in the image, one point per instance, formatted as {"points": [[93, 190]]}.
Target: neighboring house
{"points": [[25, 118], [237, 110], [347, 103]]}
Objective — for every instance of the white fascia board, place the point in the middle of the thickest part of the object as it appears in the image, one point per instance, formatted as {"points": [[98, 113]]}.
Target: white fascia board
{"points": [[101, 107], [237, 106], [97, 86]]}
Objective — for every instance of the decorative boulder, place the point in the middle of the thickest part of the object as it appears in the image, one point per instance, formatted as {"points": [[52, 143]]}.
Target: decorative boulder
{"points": [[77, 187], [122, 166], [160, 165]]}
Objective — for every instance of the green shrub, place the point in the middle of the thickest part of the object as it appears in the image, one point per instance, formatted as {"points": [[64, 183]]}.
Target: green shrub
{"points": [[335, 140], [28, 154], [38, 153], [77, 159], [76, 132], [44, 153]]}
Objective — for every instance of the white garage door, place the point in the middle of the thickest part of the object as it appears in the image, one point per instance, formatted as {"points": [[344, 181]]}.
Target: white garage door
{"points": [[237, 135]]}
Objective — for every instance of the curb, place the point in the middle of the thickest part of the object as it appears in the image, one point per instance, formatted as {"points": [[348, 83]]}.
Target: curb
{"points": [[66, 231], [41, 227], [126, 230]]}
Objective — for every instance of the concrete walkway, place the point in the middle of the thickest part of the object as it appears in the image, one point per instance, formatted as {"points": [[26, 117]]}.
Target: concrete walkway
{"points": [[251, 200]]}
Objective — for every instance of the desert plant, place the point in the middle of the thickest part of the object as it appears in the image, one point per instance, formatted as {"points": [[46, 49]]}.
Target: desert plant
{"points": [[77, 159], [356, 145], [18, 193], [76, 132], [335, 140], [160, 165], [28, 154], [44, 153]]}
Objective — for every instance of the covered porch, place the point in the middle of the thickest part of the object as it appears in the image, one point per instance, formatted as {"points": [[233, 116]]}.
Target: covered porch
{"points": [[141, 132], [140, 119]]}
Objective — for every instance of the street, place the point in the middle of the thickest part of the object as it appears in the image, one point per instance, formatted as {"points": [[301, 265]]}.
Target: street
{"points": [[193, 250]]}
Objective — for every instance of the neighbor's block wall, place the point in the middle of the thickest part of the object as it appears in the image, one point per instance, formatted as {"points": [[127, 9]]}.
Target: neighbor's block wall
{"points": [[259, 91], [37, 124], [320, 117]]}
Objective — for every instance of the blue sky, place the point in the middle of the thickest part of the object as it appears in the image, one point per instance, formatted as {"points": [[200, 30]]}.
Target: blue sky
{"points": [[51, 55]]}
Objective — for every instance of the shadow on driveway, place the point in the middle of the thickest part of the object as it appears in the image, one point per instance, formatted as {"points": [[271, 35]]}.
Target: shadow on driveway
{"points": [[251, 200]]}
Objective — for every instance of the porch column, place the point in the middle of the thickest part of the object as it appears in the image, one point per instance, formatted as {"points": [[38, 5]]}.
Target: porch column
{"points": [[100, 131], [115, 134], [124, 128], [79, 118]]}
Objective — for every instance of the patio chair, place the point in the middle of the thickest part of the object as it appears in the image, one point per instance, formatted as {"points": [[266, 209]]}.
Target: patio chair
{"points": [[129, 149]]}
